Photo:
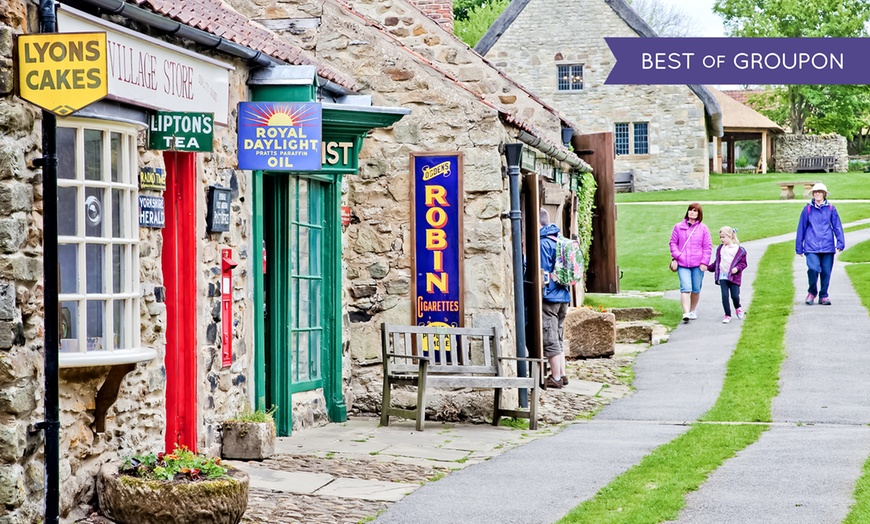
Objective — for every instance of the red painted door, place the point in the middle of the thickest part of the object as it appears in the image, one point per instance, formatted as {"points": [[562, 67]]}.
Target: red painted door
{"points": [[179, 277]]}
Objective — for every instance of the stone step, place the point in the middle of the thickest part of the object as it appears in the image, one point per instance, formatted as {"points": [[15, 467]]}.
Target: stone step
{"points": [[641, 331], [628, 314]]}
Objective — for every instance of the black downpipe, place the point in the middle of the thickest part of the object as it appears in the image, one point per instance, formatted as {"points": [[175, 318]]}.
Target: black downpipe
{"points": [[512, 154], [51, 424]]}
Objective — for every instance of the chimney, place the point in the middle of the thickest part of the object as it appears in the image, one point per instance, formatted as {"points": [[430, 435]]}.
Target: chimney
{"points": [[440, 11]]}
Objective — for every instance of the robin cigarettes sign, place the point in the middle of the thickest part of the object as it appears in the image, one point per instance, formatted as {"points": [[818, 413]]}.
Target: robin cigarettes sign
{"points": [[62, 72]]}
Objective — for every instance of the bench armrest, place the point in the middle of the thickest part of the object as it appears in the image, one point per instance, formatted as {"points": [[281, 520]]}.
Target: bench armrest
{"points": [[409, 357], [524, 359]]}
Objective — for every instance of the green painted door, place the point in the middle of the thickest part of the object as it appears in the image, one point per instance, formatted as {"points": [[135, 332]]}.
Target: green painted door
{"points": [[298, 308]]}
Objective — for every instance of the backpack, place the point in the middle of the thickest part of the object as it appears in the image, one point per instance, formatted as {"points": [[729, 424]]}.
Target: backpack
{"points": [[568, 266]]}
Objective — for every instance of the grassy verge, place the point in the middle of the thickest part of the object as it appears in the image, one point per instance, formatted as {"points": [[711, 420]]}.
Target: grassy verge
{"points": [[860, 277], [858, 253], [644, 231], [654, 490], [670, 311]]}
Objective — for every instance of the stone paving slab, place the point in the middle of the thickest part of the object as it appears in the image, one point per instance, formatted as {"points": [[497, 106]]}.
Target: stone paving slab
{"points": [[583, 387], [367, 489], [427, 452], [284, 481]]}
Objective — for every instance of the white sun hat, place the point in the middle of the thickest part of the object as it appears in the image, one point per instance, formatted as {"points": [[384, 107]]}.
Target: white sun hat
{"points": [[820, 187]]}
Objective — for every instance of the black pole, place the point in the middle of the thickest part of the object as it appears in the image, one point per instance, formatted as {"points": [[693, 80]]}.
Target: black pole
{"points": [[51, 424], [512, 155]]}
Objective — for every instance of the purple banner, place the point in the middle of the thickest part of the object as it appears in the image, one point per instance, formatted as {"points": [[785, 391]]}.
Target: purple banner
{"points": [[739, 61], [438, 197]]}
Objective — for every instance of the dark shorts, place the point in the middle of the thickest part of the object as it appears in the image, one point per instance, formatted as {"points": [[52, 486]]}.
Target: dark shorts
{"points": [[553, 318]]}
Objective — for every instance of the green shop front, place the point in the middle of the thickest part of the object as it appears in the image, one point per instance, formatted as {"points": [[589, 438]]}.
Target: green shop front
{"points": [[297, 231]]}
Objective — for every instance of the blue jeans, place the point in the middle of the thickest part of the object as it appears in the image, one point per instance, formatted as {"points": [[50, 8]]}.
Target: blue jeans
{"points": [[819, 264], [729, 288], [691, 279]]}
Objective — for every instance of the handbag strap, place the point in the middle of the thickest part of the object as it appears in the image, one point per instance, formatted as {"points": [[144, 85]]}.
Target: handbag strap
{"points": [[686, 243]]}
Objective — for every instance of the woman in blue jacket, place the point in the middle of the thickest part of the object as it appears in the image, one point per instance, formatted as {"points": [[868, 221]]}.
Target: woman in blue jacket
{"points": [[819, 236]]}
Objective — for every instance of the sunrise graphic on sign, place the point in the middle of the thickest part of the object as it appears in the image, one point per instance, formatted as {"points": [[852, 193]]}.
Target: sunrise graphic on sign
{"points": [[272, 114]]}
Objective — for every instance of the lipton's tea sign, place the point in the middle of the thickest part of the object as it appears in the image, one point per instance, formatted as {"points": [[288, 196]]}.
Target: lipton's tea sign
{"points": [[63, 72]]}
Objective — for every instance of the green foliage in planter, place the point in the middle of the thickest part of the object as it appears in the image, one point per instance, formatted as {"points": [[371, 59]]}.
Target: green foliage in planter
{"points": [[181, 464], [259, 415], [586, 203]]}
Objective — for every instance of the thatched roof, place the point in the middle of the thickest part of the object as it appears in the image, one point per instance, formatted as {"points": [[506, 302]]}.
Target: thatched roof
{"points": [[739, 116]]}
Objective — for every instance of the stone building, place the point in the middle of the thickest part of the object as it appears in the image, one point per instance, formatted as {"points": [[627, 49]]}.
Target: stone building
{"points": [[145, 363], [557, 50]]}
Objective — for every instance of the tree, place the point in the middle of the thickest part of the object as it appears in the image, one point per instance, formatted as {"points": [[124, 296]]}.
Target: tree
{"points": [[810, 108], [665, 20]]}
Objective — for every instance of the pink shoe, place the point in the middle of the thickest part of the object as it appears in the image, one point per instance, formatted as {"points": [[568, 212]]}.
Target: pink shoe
{"points": [[740, 313], [726, 320]]}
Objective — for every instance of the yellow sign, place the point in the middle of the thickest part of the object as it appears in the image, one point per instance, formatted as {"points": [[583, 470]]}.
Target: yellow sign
{"points": [[63, 72]]}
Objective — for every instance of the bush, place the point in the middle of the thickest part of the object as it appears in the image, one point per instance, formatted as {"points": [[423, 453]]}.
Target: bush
{"points": [[472, 29], [259, 415], [181, 464]]}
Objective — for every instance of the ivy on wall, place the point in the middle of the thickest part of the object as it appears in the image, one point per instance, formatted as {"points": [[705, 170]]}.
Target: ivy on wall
{"points": [[585, 196]]}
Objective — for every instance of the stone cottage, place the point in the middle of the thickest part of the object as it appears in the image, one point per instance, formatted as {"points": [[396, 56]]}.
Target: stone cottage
{"points": [[557, 50], [168, 323]]}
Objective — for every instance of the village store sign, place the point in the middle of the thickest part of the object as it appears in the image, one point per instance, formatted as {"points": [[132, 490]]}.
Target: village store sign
{"points": [[62, 73], [181, 131], [147, 72]]}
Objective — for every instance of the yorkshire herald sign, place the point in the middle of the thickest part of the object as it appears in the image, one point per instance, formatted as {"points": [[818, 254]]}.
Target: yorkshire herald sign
{"points": [[436, 230], [280, 136], [62, 73], [150, 73]]}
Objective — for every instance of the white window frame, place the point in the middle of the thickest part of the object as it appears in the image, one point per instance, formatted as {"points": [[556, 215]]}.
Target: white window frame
{"points": [[632, 146], [73, 352], [574, 83]]}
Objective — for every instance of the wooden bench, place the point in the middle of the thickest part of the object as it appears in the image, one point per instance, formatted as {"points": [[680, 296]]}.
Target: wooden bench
{"points": [[623, 182], [816, 164], [439, 357], [787, 189]]}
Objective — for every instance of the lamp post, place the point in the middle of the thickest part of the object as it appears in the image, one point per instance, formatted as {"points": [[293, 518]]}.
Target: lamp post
{"points": [[512, 154]]}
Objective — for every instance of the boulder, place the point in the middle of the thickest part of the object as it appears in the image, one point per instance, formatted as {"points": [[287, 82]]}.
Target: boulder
{"points": [[589, 333]]}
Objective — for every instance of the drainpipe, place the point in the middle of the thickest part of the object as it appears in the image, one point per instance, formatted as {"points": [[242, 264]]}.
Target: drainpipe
{"points": [[512, 154], [51, 424]]}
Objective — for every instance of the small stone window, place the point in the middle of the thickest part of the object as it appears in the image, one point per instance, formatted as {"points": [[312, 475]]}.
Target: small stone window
{"points": [[570, 77], [98, 244], [631, 138]]}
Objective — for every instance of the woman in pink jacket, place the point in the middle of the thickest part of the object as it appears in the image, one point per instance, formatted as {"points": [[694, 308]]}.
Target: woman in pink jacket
{"points": [[691, 247]]}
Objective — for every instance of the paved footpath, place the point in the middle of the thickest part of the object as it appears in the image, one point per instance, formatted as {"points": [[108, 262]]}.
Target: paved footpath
{"points": [[675, 384], [803, 470]]}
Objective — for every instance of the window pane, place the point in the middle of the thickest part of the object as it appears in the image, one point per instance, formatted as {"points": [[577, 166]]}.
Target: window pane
{"points": [[302, 198], [576, 77], [119, 214], [304, 302], [95, 212], [641, 138], [118, 310], [66, 211], [303, 262], [621, 138], [117, 151], [118, 269], [314, 355], [564, 80], [96, 313], [66, 153], [68, 260], [93, 154], [303, 357], [314, 311], [94, 268], [69, 321]]}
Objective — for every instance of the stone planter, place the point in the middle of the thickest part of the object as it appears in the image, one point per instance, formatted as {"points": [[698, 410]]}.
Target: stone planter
{"points": [[248, 440], [132, 500]]}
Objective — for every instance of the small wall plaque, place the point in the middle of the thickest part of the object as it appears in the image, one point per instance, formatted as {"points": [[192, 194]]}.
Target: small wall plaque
{"points": [[151, 212], [218, 217]]}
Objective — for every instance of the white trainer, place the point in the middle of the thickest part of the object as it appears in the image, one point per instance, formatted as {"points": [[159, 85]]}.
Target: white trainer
{"points": [[692, 315], [726, 320], [740, 314]]}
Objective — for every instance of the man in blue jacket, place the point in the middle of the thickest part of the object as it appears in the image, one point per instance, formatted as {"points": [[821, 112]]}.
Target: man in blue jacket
{"points": [[819, 235], [554, 307]]}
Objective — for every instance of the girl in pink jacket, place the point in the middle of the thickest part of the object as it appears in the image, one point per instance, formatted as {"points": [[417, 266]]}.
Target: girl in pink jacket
{"points": [[691, 247]]}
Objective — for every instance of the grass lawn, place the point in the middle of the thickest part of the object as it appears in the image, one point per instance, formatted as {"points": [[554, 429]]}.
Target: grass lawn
{"points": [[669, 310], [858, 253], [654, 491], [643, 232], [732, 186]]}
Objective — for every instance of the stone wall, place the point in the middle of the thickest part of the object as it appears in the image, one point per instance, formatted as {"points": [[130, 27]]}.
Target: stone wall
{"points": [[543, 37], [791, 147]]}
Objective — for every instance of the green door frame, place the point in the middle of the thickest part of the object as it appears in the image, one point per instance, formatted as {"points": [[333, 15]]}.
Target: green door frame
{"points": [[341, 125]]}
